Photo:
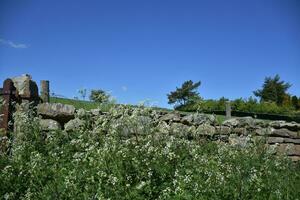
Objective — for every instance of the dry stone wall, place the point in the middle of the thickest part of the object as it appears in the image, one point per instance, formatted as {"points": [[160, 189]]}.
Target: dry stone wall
{"points": [[282, 137]]}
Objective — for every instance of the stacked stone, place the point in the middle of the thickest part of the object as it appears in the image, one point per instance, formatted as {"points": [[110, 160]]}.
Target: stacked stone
{"points": [[283, 137]]}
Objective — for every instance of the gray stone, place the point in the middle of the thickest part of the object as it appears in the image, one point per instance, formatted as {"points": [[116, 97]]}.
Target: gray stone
{"points": [[284, 133], [239, 131], [57, 111], [273, 140], [179, 129], [22, 84], [293, 126], [260, 123], [173, 117], [188, 119], [290, 140], [224, 130], [198, 119], [231, 122], [26, 88], [49, 125], [246, 122], [263, 131], [288, 149], [295, 158], [74, 124], [206, 129], [203, 118]]}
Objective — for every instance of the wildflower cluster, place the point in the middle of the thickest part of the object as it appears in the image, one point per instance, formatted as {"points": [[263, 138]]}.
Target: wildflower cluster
{"points": [[125, 155]]}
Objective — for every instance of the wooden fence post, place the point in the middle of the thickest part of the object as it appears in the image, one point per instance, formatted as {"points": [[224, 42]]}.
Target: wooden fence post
{"points": [[228, 109], [8, 94]]}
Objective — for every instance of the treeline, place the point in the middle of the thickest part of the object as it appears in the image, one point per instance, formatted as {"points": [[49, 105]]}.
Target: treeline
{"points": [[273, 98], [244, 105]]}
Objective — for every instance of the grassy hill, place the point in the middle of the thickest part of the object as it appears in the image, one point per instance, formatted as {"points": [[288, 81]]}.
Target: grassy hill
{"points": [[88, 105]]}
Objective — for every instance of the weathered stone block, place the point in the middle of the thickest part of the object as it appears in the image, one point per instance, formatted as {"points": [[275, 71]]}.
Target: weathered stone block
{"points": [[74, 124], [198, 119], [231, 122], [26, 88], [263, 131], [290, 140], [293, 126], [223, 130], [295, 158], [239, 131], [57, 111], [179, 129], [246, 122], [206, 129], [288, 149], [203, 118], [174, 117], [188, 119], [283, 132], [49, 124], [273, 140]]}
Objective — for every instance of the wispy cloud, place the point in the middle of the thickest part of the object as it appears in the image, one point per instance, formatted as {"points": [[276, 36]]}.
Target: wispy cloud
{"points": [[13, 44], [124, 88]]}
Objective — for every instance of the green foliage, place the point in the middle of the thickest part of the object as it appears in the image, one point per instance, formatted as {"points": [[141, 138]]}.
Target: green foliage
{"points": [[153, 164], [296, 102], [184, 95], [244, 105], [273, 90], [99, 96]]}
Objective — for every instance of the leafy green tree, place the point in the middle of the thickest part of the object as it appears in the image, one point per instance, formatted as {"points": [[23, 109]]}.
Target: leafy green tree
{"points": [[295, 102], [99, 96], [185, 94], [273, 90], [82, 92]]}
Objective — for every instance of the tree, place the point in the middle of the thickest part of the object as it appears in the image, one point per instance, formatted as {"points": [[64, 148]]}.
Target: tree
{"points": [[273, 90], [99, 96], [185, 94], [82, 93], [295, 102]]}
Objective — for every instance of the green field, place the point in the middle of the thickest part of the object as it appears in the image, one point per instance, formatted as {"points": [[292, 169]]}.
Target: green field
{"points": [[88, 105]]}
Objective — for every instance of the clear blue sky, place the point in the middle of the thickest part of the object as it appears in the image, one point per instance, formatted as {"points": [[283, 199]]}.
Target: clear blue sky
{"points": [[144, 49]]}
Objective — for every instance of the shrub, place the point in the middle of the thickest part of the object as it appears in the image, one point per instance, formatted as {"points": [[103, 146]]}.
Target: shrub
{"points": [[149, 162], [99, 96], [243, 105]]}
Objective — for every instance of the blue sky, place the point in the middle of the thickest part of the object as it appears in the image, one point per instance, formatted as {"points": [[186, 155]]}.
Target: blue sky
{"points": [[144, 49]]}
